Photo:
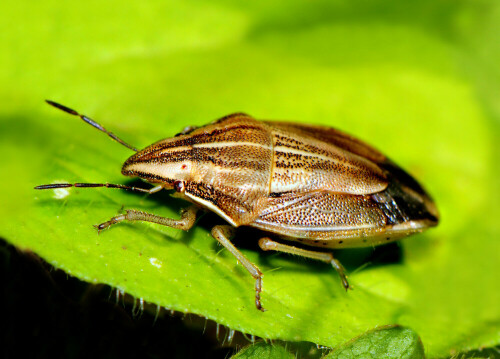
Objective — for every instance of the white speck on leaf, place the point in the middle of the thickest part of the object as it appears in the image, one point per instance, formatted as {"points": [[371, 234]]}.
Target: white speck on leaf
{"points": [[156, 262], [60, 193]]}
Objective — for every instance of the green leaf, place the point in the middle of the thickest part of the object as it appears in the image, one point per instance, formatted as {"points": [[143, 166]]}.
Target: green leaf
{"points": [[418, 80], [389, 342], [263, 350]]}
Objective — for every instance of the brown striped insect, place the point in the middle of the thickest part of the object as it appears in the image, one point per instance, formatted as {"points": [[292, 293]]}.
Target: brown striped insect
{"points": [[303, 183]]}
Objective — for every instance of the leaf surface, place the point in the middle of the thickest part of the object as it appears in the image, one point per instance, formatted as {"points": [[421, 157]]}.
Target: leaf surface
{"points": [[388, 342]]}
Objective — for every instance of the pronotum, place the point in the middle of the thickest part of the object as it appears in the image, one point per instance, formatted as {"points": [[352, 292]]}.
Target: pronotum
{"points": [[303, 183]]}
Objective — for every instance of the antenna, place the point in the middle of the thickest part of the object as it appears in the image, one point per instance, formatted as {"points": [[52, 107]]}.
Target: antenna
{"points": [[93, 185], [92, 123]]}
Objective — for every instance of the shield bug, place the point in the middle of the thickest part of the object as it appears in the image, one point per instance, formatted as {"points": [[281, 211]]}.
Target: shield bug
{"points": [[308, 184]]}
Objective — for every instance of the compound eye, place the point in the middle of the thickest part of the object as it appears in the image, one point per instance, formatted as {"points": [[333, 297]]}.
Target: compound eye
{"points": [[179, 186]]}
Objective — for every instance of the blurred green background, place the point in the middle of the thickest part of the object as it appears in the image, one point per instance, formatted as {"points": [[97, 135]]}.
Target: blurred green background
{"points": [[420, 80]]}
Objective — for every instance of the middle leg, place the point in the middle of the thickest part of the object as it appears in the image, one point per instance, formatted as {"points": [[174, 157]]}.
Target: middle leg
{"points": [[223, 234]]}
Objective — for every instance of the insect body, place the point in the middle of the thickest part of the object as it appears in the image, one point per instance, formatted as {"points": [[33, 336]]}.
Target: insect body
{"points": [[310, 184]]}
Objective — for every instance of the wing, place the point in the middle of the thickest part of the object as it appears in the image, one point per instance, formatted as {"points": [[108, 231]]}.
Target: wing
{"points": [[321, 216], [393, 173], [349, 194], [333, 220], [315, 158], [335, 137]]}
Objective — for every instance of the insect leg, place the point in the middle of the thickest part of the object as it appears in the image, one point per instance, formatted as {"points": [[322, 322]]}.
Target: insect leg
{"points": [[223, 234], [269, 245], [188, 217]]}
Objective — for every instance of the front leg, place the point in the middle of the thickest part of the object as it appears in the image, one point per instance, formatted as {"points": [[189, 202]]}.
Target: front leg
{"points": [[188, 217]]}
